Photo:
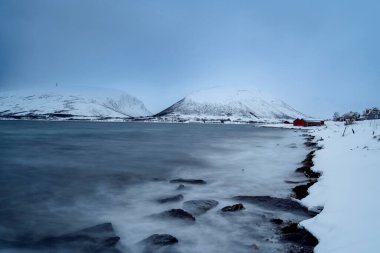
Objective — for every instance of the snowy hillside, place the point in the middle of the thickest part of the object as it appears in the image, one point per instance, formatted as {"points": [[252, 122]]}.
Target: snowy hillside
{"points": [[228, 104], [70, 103]]}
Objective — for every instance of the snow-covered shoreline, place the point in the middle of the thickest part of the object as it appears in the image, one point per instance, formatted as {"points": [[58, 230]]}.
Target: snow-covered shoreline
{"points": [[348, 188]]}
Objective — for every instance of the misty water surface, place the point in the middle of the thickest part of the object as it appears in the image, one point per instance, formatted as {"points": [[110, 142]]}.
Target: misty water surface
{"points": [[57, 177]]}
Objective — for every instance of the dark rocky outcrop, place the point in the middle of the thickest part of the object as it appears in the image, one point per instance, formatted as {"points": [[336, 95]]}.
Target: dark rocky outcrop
{"points": [[301, 191], [296, 234], [188, 181], [198, 207], [159, 240], [276, 221], [158, 243], [308, 172], [97, 239], [233, 208], [273, 203], [177, 214], [174, 198], [181, 187]]}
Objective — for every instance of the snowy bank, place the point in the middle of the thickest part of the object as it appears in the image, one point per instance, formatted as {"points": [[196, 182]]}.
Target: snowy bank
{"points": [[348, 188]]}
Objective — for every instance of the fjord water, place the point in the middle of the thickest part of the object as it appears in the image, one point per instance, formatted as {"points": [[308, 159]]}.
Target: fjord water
{"points": [[58, 177]]}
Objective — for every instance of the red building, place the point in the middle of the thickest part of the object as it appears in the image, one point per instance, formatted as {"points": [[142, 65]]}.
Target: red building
{"points": [[307, 123]]}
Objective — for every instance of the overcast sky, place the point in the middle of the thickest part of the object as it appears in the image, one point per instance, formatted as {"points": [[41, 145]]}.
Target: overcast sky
{"points": [[319, 56]]}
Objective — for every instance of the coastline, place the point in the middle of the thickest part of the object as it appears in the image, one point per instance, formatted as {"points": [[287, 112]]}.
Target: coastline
{"points": [[340, 174], [343, 186]]}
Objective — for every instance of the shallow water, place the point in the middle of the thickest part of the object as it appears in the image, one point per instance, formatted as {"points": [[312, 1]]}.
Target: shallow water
{"points": [[57, 177]]}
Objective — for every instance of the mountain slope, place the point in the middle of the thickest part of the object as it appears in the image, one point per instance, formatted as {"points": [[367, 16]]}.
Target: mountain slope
{"points": [[234, 105], [71, 103]]}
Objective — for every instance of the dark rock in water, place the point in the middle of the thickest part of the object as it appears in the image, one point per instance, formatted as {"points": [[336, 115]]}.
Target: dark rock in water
{"points": [[301, 191], [175, 198], [233, 208], [299, 249], [254, 247], [308, 172], [180, 187], [198, 207], [297, 181], [292, 232], [273, 203], [188, 181], [177, 214], [97, 239], [310, 144], [160, 240], [277, 221]]}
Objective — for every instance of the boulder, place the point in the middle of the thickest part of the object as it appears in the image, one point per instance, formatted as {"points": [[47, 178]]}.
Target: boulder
{"points": [[97, 239], [281, 204], [301, 191], [181, 187], [277, 221], [294, 233], [174, 198], [177, 214], [159, 240], [233, 208], [188, 181], [198, 207]]}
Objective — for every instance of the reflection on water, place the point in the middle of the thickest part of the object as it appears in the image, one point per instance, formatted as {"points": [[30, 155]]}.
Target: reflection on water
{"points": [[57, 177]]}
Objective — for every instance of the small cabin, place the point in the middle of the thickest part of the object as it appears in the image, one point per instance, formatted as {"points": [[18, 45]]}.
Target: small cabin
{"points": [[308, 122]]}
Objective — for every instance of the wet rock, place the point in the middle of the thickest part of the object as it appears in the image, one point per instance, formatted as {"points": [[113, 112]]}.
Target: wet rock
{"points": [[233, 208], [96, 239], [277, 221], [198, 207], [308, 172], [299, 249], [301, 191], [188, 181], [254, 247], [310, 144], [159, 243], [160, 240], [273, 203], [180, 187], [174, 198], [308, 162], [297, 181], [177, 214], [294, 233]]}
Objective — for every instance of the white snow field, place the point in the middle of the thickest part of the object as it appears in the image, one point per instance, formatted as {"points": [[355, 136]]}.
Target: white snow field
{"points": [[349, 188], [79, 102], [229, 104]]}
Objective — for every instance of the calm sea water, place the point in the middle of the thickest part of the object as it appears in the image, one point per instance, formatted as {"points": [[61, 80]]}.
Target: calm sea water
{"points": [[57, 177]]}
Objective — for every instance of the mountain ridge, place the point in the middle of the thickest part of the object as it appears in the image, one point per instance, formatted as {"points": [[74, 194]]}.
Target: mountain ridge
{"points": [[229, 104], [72, 102]]}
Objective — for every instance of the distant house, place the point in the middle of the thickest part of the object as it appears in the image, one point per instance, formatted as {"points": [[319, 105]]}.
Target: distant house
{"points": [[373, 113], [308, 122]]}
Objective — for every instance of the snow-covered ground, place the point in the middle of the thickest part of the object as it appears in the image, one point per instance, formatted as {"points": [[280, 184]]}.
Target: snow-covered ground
{"points": [[226, 104], [348, 189], [76, 102]]}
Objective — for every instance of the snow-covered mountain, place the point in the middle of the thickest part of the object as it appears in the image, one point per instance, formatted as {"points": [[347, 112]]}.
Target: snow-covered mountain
{"points": [[70, 103], [229, 104]]}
